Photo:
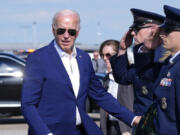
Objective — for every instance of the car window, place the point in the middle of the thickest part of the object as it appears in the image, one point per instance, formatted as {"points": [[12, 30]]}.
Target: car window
{"points": [[9, 66]]}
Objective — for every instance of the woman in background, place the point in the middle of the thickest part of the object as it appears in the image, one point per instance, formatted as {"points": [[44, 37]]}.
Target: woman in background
{"points": [[123, 93]]}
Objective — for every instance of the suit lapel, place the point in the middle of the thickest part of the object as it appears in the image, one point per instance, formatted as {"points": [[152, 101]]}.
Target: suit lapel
{"points": [[59, 64], [80, 66]]}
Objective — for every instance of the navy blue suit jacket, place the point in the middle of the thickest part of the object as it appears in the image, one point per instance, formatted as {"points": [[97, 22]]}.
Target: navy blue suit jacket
{"points": [[127, 74], [124, 74], [48, 100]]}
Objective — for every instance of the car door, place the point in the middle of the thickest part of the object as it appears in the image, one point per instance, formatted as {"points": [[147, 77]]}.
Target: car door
{"points": [[11, 76]]}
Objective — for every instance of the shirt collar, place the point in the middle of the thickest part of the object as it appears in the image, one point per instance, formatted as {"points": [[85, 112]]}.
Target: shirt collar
{"points": [[63, 53], [173, 57]]}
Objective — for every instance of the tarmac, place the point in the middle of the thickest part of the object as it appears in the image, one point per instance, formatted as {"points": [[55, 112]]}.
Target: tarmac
{"points": [[16, 125]]}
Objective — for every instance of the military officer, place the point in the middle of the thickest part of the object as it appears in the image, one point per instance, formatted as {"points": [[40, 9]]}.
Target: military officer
{"points": [[145, 23], [167, 84]]}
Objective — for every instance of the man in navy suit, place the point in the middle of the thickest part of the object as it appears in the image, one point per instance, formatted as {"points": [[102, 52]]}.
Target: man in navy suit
{"points": [[57, 80]]}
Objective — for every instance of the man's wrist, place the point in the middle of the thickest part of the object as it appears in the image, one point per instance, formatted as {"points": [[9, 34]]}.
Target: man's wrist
{"points": [[121, 51], [132, 123]]}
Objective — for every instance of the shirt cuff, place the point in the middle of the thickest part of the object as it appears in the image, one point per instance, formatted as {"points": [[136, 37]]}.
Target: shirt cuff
{"points": [[50, 134], [140, 50], [132, 123]]}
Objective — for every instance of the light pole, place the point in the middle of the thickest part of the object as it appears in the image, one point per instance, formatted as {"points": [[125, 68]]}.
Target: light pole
{"points": [[98, 33], [34, 34]]}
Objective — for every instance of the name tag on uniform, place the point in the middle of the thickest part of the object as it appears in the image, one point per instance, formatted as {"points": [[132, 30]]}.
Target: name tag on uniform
{"points": [[166, 82]]}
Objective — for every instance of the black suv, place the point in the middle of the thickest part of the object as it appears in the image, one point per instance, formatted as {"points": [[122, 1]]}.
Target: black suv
{"points": [[11, 76]]}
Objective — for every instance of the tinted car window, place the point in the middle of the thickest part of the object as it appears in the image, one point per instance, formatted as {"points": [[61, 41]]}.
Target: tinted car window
{"points": [[9, 66]]}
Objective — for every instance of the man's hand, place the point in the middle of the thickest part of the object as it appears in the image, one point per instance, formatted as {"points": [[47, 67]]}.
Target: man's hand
{"points": [[50, 134], [137, 120], [152, 40], [126, 40], [126, 133], [108, 66], [121, 52]]}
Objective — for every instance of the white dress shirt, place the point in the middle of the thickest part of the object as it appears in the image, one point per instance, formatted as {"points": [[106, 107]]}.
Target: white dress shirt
{"points": [[71, 66], [130, 54], [173, 57], [113, 86]]}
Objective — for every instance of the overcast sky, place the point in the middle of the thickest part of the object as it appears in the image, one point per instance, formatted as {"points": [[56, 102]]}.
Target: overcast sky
{"points": [[30, 20]]}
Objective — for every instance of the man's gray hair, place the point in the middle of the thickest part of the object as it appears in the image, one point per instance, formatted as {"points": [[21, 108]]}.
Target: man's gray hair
{"points": [[66, 12]]}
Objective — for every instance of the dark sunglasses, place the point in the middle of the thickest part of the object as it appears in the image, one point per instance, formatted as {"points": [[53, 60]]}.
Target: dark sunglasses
{"points": [[108, 55], [60, 31], [138, 28]]}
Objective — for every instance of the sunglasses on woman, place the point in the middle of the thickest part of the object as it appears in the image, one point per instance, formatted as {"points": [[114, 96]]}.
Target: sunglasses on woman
{"points": [[71, 32], [108, 55]]}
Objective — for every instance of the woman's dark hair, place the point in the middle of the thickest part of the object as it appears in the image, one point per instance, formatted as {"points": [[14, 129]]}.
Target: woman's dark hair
{"points": [[111, 42]]}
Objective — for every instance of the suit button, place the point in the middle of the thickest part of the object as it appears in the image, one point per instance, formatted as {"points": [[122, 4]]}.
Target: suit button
{"points": [[163, 103], [144, 90]]}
